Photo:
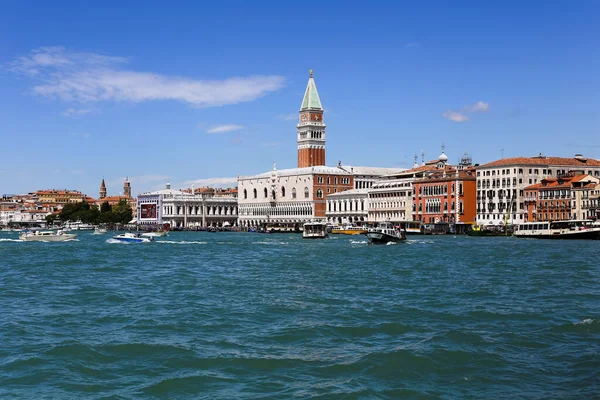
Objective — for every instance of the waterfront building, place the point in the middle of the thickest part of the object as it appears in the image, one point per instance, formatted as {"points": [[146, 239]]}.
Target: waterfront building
{"points": [[350, 206], [61, 197], [501, 184], [446, 196], [187, 209], [392, 197], [290, 197], [560, 198], [594, 203]]}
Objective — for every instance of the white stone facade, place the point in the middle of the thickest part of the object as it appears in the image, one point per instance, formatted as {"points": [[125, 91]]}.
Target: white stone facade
{"points": [[287, 196], [185, 210], [501, 184], [350, 206]]}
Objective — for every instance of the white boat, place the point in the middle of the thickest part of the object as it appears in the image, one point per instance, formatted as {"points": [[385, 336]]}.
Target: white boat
{"points": [[129, 237], [573, 229], [155, 234], [314, 230], [46, 236], [385, 233], [99, 231]]}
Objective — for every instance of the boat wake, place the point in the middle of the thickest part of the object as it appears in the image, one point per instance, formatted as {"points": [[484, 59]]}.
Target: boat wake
{"points": [[10, 240], [359, 241], [115, 241]]}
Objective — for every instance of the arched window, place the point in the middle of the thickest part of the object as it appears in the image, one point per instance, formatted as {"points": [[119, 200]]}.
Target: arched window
{"points": [[273, 194], [245, 194], [319, 193], [282, 191], [306, 193], [266, 193], [293, 193]]}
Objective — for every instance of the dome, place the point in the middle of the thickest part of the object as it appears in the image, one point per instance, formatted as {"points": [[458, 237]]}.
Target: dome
{"points": [[443, 157]]}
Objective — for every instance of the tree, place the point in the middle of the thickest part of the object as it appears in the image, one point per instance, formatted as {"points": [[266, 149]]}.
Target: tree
{"points": [[123, 212], [105, 207]]}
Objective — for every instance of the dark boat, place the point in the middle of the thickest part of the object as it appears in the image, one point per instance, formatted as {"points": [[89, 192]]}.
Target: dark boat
{"points": [[385, 233]]}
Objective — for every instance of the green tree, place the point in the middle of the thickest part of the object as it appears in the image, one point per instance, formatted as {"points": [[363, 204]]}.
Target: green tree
{"points": [[123, 212], [105, 207]]}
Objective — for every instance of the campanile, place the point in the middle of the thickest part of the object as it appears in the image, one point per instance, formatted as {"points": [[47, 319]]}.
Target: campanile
{"points": [[311, 128]]}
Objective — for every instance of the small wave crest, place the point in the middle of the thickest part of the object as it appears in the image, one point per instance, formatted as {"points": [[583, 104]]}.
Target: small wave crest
{"points": [[359, 241], [10, 240], [180, 242]]}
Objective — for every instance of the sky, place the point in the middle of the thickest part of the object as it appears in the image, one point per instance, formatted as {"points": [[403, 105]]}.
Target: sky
{"points": [[197, 93]]}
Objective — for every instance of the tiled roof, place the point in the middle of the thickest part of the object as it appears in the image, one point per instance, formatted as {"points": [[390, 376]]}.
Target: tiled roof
{"points": [[543, 160]]}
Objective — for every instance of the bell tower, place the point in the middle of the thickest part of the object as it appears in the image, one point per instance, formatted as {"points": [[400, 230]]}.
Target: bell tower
{"points": [[127, 188], [311, 128], [102, 190]]}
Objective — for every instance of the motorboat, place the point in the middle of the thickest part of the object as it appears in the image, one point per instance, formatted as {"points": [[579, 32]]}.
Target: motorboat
{"points": [[348, 229], [47, 236], [129, 237], [385, 232], [314, 230], [99, 231], [572, 229]]}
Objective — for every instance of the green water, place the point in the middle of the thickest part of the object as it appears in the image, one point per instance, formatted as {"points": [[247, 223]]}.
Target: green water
{"points": [[240, 315]]}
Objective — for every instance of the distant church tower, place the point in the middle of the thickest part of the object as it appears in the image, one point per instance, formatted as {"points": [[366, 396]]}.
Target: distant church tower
{"points": [[311, 129], [102, 189], [127, 188]]}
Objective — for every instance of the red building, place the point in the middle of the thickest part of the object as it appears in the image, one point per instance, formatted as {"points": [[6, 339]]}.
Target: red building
{"points": [[446, 196]]}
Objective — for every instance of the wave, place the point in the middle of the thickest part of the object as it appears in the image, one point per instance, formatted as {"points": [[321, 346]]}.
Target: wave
{"points": [[180, 242], [359, 241], [267, 242], [10, 240]]}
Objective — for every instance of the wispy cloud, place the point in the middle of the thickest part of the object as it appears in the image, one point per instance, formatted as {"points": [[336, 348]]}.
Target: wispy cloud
{"points": [[287, 117], [455, 116], [87, 77], [271, 144], [411, 45], [480, 106], [224, 128], [210, 182], [76, 112]]}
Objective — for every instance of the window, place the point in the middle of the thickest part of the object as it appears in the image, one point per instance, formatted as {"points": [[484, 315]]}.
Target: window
{"points": [[245, 194], [255, 194], [282, 191], [293, 193], [306, 193], [319, 193], [335, 180], [266, 193]]}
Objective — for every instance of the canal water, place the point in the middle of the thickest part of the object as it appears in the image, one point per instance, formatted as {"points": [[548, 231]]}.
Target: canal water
{"points": [[200, 315]]}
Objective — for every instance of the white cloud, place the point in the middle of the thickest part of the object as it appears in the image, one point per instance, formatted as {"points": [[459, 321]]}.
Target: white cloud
{"points": [[87, 77], [224, 128], [287, 117], [411, 45], [76, 112], [454, 116], [480, 106], [210, 182]]}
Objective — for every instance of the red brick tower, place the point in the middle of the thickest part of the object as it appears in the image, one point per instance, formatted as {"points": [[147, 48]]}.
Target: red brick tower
{"points": [[311, 129]]}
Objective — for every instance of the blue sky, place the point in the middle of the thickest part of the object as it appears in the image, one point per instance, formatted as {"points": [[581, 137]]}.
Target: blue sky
{"points": [[199, 92]]}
